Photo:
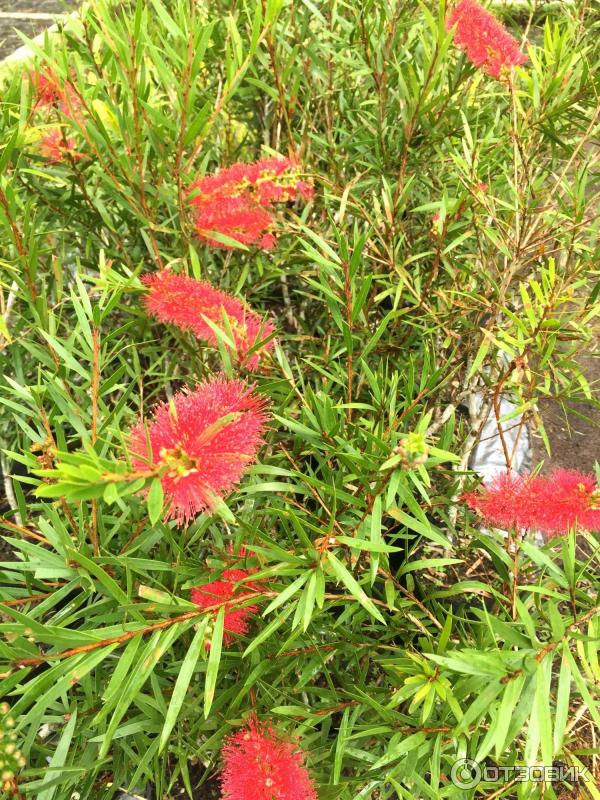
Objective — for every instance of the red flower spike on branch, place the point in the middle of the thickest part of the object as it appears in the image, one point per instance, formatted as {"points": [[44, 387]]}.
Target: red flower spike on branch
{"points": [[484, 40], [551, 504], [50, 92], [201, 443], [260, 765], [56, 147], [567, 499], [47, 88], [185, 302], [237, 202], [236, 616], [508, 501]]}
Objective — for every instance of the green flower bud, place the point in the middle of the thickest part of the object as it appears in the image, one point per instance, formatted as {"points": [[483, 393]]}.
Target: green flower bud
{"points": [[413, 450]]}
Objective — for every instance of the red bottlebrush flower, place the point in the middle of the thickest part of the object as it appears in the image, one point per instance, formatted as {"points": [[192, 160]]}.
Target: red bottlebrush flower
{"points": [[236, 616], [237, 202], [201, 443], [551, 504], [54, 146], [567, 499], [185, 302], [260, 765], [49, 91], [238, 218], [484, 40], [46, 86], [508, 501]]}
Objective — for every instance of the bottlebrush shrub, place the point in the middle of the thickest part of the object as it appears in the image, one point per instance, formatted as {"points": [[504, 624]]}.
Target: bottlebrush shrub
{"points": [[267, 270]]}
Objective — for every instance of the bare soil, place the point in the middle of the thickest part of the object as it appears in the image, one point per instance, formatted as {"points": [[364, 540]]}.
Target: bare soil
{"points": [[574, 434]]}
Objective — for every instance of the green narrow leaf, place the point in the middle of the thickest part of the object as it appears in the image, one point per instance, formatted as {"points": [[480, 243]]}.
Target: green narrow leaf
{"points": [[478, 360], [353, 586], [112, 692], [445, 634], [311, 591], [543, 708], [375, 537], [510, 699], [214, 659], [592, 705], [340, 747], [58, 759], [155, 501], [288, 592], [183, 681], [563, 694], [269, 630], [478, 708], [405, 745], [154, 650], [110, 586]]}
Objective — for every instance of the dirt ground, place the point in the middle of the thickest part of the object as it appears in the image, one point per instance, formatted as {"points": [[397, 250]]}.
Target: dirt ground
{"points": [[574, 437]]}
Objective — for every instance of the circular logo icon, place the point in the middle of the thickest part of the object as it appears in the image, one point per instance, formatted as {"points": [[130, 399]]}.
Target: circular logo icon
{"points": [[465, 773]]}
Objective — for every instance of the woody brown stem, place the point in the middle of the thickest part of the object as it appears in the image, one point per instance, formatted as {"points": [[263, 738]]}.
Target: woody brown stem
{"points": [[32, 598], [18, 240], [166, 623], [21, 529]]}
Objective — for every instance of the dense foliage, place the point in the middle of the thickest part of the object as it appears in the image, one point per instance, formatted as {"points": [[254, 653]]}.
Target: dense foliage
{"points": [[436, 250]]}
